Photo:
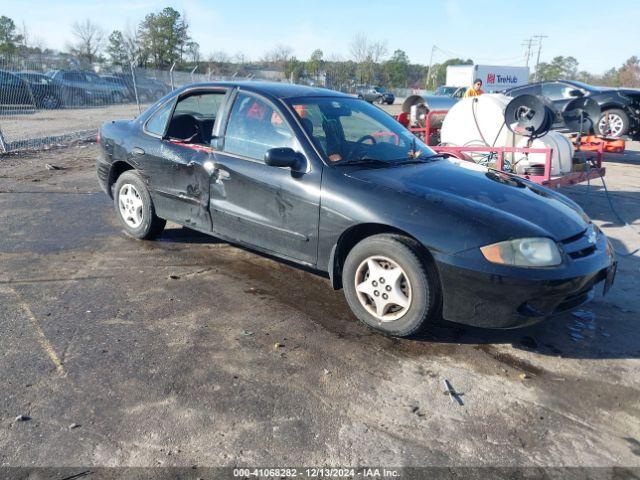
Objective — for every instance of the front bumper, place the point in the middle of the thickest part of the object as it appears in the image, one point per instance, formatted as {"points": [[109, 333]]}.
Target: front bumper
{"points": [[476, 292]]}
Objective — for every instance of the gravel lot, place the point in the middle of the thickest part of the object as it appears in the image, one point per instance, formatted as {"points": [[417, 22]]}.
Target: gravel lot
{"points": [[189, 351], [47, 123]]}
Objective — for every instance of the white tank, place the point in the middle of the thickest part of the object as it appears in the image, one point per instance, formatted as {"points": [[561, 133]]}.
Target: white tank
{"points": [[479, 121], [476, 121], [561, 158]]}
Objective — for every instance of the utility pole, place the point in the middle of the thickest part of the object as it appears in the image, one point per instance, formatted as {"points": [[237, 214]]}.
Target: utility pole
{"points": [[528, 43], [433, 49], [539, 37]]}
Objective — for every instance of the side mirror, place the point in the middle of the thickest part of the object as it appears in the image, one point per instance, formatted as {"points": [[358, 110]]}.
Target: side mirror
{"points": [[576, 93], [283, 157]]}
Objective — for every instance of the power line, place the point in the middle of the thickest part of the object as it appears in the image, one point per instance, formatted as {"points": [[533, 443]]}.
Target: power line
{"points": [[528, 43], [539, 37], [485, 59]]}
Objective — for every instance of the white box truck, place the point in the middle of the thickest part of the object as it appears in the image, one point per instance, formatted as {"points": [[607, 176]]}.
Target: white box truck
{"points": [[494, 78]]}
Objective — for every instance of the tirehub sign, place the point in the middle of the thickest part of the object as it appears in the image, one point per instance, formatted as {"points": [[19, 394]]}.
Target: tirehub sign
{"points": [[493, 79]]}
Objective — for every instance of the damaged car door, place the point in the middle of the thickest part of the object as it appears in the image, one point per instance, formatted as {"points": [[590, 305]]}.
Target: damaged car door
{"points": [[176, 168], [274, 208]]}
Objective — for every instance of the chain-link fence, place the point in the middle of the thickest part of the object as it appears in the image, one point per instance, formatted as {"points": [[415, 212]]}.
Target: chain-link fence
{"points": [[53, 99]]}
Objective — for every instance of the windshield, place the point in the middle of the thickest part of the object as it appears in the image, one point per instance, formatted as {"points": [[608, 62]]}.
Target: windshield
{"points": [[379, 89], [348, 129]]}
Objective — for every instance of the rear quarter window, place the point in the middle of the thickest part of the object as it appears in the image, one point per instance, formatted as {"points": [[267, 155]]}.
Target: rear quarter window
{"points": [[158, 121]]}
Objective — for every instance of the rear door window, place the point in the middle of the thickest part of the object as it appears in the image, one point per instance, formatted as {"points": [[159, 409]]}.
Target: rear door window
{"points": [[204, 104]]}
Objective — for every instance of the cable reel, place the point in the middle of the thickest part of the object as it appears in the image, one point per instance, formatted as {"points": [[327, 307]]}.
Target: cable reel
{"points": [[529, 116]]}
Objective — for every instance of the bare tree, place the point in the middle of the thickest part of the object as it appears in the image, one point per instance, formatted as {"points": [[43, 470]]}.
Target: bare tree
{"points": [[280, 55], [240, 58], [377, 51], [219, 57], [89, 40], [367, 55], [359, 48]]}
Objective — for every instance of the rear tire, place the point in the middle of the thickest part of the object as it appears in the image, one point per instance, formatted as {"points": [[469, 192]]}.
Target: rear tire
{"points": [[617, 124], [394, 302], [135, 208]]}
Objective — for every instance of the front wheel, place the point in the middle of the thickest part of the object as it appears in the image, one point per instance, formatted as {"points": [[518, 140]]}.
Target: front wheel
{"points": [[135, 208], [390, 285], [613, 123], [50, 102], [117, 97]]}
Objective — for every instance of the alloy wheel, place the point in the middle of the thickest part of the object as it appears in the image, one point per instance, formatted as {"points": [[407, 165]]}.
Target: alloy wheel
{"points": [[611, 124], [49, 102], [130, 205], [383, 288]]}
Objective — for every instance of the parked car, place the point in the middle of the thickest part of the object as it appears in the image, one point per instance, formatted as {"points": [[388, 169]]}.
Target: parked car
{"points": [[620, 106], [87, 88], [375, 94], [47, 93], [114, 80], [328, 181], [149, 89], [14, 92], [453, 92]]}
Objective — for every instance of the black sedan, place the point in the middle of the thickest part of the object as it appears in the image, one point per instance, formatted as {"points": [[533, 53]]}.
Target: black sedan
{"points": [[47, 93], [14, 92], [333, 183], [619, 107]]}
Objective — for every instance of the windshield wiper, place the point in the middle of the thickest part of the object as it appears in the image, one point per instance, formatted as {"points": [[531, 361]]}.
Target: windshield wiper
{"points": [[421, 159], [365, 161]]}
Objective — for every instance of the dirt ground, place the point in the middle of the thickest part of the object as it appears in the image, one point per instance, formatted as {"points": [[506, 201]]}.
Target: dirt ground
{"points": [[189, 351]]}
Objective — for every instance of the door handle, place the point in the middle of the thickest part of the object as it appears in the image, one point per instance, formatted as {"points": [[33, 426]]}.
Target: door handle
{"points": [[137, 151]]}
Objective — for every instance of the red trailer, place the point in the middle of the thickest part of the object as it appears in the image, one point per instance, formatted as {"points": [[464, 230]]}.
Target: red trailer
{"points": [[590, 165]]}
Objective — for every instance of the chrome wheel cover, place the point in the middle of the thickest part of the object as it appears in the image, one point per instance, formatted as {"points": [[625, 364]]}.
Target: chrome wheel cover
{"points": [[130, 205], [383, 288]]}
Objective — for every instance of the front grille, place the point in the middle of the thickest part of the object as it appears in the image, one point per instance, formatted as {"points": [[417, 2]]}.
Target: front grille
{"points": [[578, 246], [582, 253]]}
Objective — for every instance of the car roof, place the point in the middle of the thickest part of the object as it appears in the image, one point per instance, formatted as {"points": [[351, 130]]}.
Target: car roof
{"points": [[575, 83], [273, 89]]}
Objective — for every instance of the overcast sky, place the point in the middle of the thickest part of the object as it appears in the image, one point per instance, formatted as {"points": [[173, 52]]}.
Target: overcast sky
{"points": [[599, 34]]}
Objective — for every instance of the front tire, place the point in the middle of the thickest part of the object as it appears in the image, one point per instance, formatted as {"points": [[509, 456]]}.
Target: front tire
{"points": [[135, 208], [390, 285], [50, 102], [613, 123]]}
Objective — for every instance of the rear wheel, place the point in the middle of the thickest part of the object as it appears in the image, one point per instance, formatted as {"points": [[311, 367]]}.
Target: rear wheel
{"points": [[613, 123], [390, 285], [135, 208]]}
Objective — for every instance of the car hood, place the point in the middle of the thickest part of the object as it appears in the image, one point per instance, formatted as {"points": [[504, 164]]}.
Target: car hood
{"points": [[487, 196]]}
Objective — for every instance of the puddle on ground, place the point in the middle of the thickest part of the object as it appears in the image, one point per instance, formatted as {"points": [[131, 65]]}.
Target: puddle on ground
{"points": [[583, 326]]}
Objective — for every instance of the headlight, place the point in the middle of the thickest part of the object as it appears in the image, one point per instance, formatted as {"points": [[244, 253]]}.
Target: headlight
{"points": [[524, 252]]}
